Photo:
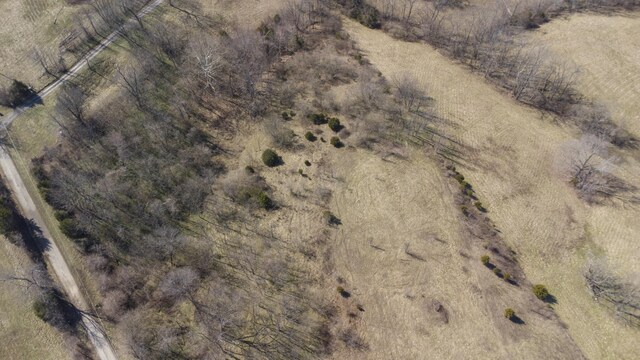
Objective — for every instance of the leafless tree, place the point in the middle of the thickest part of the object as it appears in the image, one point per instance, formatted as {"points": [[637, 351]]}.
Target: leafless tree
{"points": [[623, 295], [587, 166], [409, 93]]}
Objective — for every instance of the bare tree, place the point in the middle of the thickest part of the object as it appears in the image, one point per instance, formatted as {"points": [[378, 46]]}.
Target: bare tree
{"points": [[623, 295], [409, 93], [587, 166]]}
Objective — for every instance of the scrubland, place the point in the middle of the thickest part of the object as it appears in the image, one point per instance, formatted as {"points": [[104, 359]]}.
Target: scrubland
{"points": [[266, 180]]}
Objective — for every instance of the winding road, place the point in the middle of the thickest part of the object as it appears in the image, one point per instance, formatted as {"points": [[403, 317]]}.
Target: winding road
{"points": [[56, 260]]}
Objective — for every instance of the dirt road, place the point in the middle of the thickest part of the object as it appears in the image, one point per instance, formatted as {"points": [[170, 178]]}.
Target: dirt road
{"points": [[55, 258]]}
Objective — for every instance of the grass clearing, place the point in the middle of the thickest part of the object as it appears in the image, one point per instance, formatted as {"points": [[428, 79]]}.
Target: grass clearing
{"points": [[608, 59], [511, 164]]}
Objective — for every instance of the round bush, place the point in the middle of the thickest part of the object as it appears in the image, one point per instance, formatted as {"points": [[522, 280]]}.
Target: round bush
{"points": [[540, 291], [264, 201], [307, 163], [335, 141], [509, 313], [334, 124], [506, 276], [497, 271], [309, 136], [485, 259], [270, 158]]}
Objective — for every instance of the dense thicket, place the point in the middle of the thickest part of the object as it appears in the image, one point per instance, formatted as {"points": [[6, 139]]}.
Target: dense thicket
{"points": [[133, 174]]}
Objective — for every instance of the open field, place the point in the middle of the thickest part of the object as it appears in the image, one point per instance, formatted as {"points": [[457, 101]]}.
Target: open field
{"points": [[22, 334], [608, 59], [243, 12], [511, 167]]}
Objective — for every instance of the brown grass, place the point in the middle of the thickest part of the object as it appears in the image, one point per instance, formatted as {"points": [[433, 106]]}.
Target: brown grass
{"points": [[608, 59], [22, 334], [510, 165]]}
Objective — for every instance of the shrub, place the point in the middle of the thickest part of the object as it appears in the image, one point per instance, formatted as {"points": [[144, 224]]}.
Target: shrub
{"points": [[300, 172], [249, 169], [270, 158], [70, 227], [540, 291], [335, 141], [288, 115], [330, 218], [340, 289], [309, 136], [334, 124], [497, 271], [509, 313], [307, 163], [464, 185], [264, 201], [468, 192], [479, 206], [485, 259], [506, 276], [39, 309], [459, 177], [318, 119], [465, 210], [17, 94]]}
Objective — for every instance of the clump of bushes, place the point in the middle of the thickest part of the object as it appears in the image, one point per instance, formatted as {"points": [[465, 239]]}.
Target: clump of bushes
{"points": [[288, 115], [309, 136], [307, 163], [271, 158], [318, 119], [509, 313], [334, 124], [479, 206], [16, 95], [256, 196], [540, 291], [485, 259], [335, 141]]}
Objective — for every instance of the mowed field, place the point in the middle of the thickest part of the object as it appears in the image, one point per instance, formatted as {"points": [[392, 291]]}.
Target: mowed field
{"points": [[511, 166], [27, 25], [22, 334], [608, 59]]}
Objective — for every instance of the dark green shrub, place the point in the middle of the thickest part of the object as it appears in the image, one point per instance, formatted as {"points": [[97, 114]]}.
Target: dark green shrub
{"points": [[318, 119], [39, 309], [264, 201], [506, 276], [464, 185], [479, 206], [485, 259], [459, 177], [271, 158], [17, 94], [307, 163], [540, 291], [509, 313], [70, 227], [497, 271], [330, 218], [334, 124], [468, 192], [249, 169], [288, 115], [309, 136], [300, 172], [335, 141]]}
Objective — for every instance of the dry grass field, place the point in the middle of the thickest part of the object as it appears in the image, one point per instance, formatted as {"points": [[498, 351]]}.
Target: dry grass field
{"points": [[242, 12], [22, 334], [608, 59], [513, 149], [27, 25]]}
